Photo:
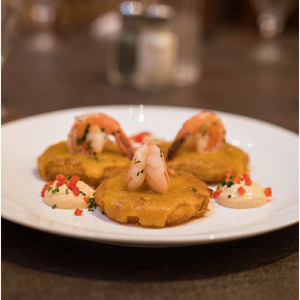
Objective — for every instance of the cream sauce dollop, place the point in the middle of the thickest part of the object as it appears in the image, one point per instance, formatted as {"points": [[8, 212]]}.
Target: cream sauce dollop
{"points": [[65, 200], [253, 197]]}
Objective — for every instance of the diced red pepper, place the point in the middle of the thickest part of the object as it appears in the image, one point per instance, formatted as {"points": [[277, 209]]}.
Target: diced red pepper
{"points": [[46, 186], [74, 179], [73, 188], [268, 192], [237, 180], [78, 212], [216, 193], [248, 182], [246, 176], [241, 190], [60, 180], [228, 175], [86, 198]]}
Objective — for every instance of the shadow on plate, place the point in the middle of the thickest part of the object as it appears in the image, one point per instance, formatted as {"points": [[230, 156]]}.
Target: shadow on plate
{"points": [[77, 258]]}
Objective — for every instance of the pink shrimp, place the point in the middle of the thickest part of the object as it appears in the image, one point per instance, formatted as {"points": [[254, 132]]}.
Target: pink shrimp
{"points": [[208, 127], [148, 165], [88, 134]]}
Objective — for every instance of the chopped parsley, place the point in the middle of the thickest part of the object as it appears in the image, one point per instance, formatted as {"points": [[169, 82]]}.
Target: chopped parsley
{"points": [[142, 171], [53, 206], [137, 162], [69, 177], [230, 183], [137, 174], [82, 193], [49, 188], [55, 190], [67, 191], [92, 204], [229, 196]]}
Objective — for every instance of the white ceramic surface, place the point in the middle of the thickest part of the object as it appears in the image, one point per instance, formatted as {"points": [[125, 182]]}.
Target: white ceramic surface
{"points": [[274, 162]]}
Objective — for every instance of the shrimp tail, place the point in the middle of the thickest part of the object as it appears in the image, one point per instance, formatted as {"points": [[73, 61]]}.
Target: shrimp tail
{"points": [[174, 148], [124, 143]]}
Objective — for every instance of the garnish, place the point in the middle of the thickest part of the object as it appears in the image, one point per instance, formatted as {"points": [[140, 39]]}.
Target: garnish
{"points": [[248, 182], [92, 203], [78, 212], [49, 188], [204, 128], [53, 206], [82, 193], [67, 191], [137, 162], [46, 186], [268, 192], [241, 190], [194, 190], [137, 174], [60, 179], [142, 171], [246, 176], [229, 196], [216, 193], [78, 141]]}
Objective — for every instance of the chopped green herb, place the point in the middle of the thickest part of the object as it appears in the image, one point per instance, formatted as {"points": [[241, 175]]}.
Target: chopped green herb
{"points": [[49, 188], [241, 179], [229, 196], [224, 141], [78, 141], [138, 173], [53, 191], [142, 171], [230, 183], [92, 203], [137, 162], [53, 206], [223, 183], [231, 177], [67, 191], [82, 193], [69, 177], [103, 213], [102, 129], [161, 155], [193, 189], [224, 132]]}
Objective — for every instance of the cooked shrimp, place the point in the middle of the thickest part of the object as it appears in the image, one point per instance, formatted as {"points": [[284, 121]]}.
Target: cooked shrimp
{"points": [[209, 131], [89, 131], [148, 165]]}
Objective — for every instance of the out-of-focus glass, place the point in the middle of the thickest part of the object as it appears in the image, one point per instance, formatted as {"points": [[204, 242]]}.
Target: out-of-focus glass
{"points": [[10, 13], [271, 17], [157, 45]]}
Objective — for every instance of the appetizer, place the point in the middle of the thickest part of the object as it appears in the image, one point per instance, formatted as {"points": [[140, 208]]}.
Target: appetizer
{"points": [[201, 149], [148, 195], [241, 192], [88, 152]]}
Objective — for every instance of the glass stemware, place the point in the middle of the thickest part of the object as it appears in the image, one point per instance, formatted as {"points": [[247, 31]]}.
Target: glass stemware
{"points": [[272, 15]]}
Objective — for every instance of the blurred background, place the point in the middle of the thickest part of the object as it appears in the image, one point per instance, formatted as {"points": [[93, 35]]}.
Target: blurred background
{"points": [[228, 55]]}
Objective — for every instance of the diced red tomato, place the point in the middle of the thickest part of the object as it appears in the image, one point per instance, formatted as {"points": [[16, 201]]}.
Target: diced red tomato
{"points": [[246, 176], [78, 212], [248, 182], [241, 190], [74, 179], [46, 186], [73, 188], [268, 192], [60, 180], [237, 180], [216, 193]]}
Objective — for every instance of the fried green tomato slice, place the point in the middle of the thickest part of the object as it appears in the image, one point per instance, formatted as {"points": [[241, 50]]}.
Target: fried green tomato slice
{"points": [[187, 197], [211, 167], [91, 169]]}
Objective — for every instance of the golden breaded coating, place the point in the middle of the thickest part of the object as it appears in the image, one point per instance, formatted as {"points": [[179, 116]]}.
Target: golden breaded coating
{"points": [[211, 167], [187, 197], [91, 169]]}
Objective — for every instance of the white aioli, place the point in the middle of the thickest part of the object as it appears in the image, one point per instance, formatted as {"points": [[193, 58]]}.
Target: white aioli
{"points": [[68, 201], [253, 197]]}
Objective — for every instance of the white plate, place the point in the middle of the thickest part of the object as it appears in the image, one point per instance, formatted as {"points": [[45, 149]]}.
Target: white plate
{"points": [[274, 162]]}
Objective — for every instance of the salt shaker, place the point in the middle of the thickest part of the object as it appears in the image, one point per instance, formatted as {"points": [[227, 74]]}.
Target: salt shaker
{"points": [[156, 50], [121, 63]]}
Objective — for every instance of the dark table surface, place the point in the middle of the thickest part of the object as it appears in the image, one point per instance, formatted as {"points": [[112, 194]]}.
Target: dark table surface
{"points": [[37, 265]]}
